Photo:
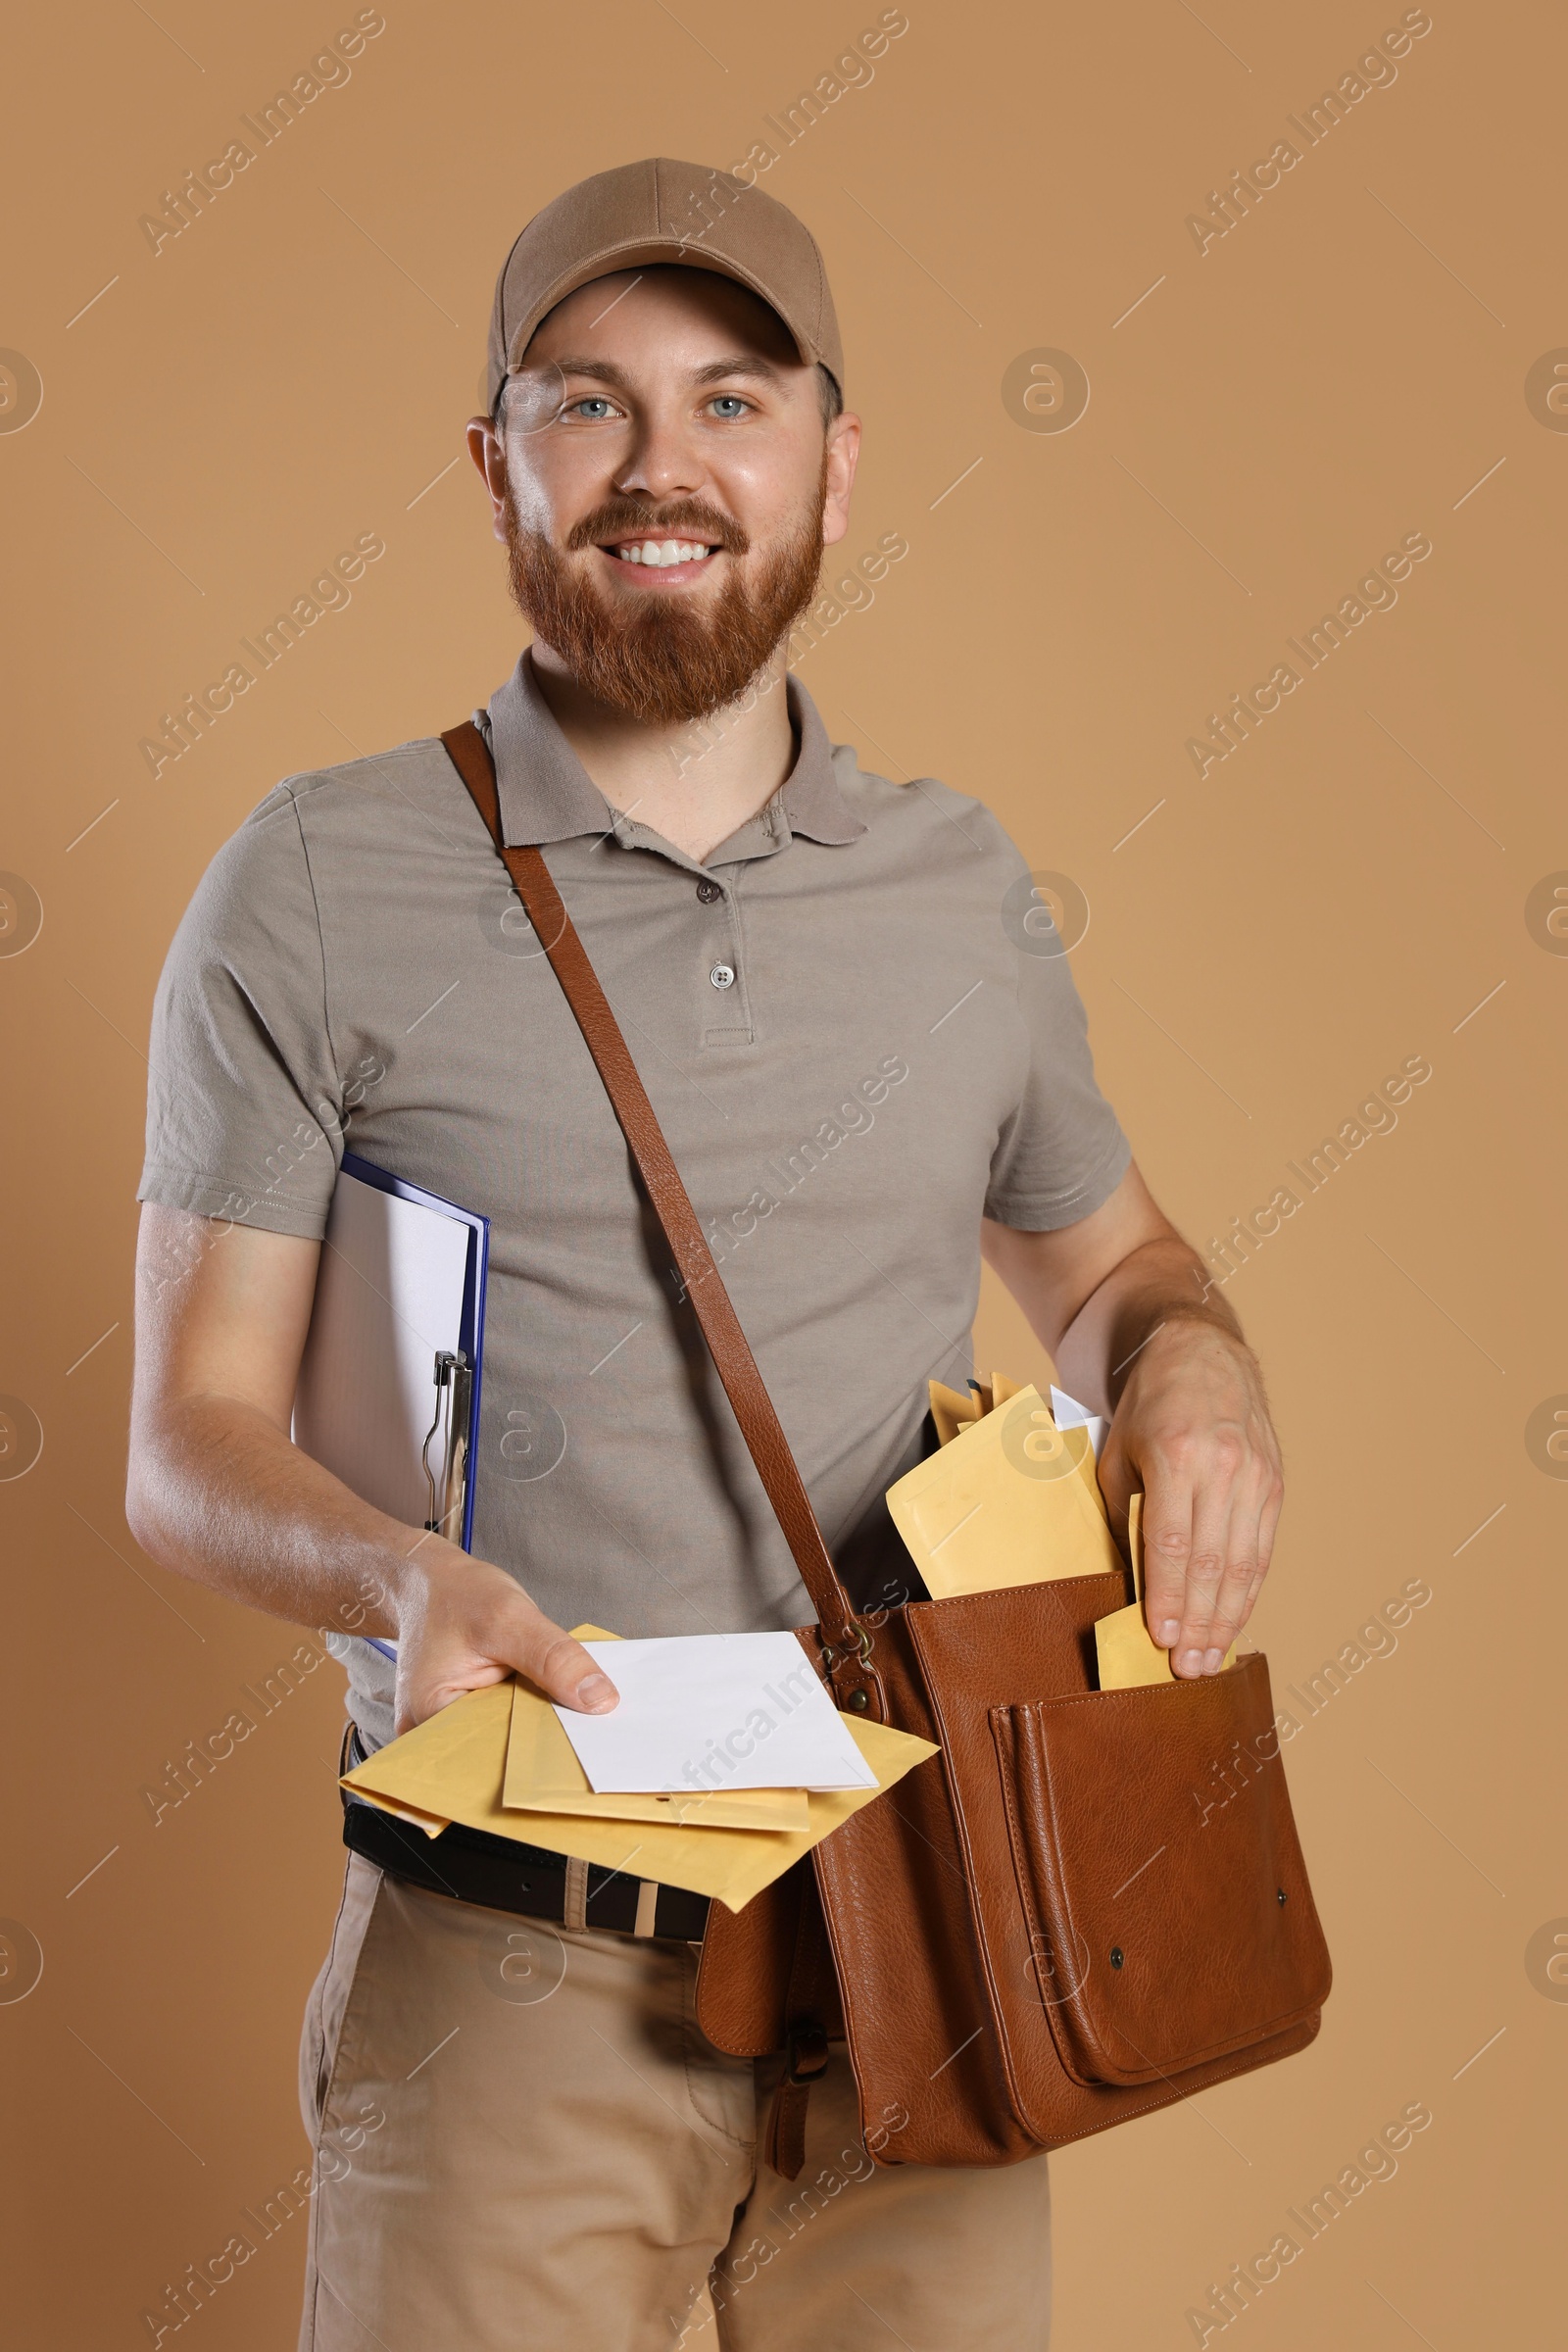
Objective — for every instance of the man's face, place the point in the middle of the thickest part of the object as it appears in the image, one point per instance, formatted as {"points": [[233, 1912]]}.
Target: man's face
{"points": [[668, 488]]}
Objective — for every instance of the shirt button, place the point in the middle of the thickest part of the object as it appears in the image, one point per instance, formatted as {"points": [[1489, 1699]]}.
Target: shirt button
{"points": [[722, 975], [708, 891]]}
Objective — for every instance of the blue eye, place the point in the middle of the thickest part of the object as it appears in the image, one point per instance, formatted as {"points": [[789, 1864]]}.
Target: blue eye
{"points": [[731, 402], [592, 400]]}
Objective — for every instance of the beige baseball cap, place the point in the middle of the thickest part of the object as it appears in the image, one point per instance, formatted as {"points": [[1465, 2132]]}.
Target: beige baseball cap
{"points": [[659, 211]]}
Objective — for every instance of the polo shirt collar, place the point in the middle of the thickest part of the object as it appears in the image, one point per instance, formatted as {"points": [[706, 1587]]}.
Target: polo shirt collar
{"points": [[546, 794]]}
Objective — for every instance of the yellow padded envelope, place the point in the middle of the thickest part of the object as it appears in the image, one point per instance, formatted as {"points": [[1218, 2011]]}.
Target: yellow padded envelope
{"points": [[543, 1775], [432, 1824], [952, 1411], [1012, 1500], [454, 1765]]}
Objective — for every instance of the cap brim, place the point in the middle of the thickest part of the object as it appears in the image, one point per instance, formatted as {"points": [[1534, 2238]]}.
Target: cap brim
{"points": [[635, 254]]}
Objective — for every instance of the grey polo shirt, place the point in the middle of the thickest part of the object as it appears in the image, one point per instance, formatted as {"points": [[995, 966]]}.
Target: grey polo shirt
{"points": [[854, 1053]]}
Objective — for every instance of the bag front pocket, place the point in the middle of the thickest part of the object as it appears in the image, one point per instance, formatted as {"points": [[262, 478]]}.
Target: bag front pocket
{"points": [[1157, 1867]]}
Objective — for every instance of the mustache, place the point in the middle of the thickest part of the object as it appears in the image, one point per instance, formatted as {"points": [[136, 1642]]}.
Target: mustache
{"points": [[687, 518], [663, 663]]}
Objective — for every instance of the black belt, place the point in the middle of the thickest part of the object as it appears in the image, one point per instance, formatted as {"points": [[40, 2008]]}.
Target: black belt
{"points": [[473, 1867]]}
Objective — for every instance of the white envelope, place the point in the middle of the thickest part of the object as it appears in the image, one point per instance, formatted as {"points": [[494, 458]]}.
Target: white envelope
{"points": [[714, 1711]]}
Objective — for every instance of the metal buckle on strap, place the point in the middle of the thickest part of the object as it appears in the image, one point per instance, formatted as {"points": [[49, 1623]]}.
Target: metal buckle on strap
{"points": [[830, 1655], [857, 1699]]}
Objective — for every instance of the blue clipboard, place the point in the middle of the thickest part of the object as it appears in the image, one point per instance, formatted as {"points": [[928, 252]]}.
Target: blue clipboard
{"points": [[470, 1337]]}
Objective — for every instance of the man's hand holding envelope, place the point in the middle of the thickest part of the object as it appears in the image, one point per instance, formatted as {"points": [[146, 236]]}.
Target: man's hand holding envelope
{"points": [[1011, 1497], [503, 1759], [1136, 1322], [1193, 1434]]}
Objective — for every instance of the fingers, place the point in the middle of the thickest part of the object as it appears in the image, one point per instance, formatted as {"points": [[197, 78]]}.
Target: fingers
{"points": [[1193, 1429], [569, 1674], [1192, 1543], [1267, 1525], [424, 1688], [471, 1625], [557, 1665], [1209, 1531], [1167, 1545], [526, 1639], [1219, 1583]]}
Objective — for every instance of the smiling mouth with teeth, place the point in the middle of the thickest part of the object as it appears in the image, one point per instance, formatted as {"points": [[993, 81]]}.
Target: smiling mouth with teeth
{"points": [[662, 553]]}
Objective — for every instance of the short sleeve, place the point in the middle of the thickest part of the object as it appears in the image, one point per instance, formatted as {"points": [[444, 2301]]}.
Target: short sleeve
{"points": [[244, 1100], [1062, 1150]]}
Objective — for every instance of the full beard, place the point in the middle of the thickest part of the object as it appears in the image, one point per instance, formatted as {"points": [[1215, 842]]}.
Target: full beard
{"points": [[667, 663]]}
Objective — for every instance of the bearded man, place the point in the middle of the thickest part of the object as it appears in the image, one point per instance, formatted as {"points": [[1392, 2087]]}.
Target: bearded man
{"points": [[860, 1035]]}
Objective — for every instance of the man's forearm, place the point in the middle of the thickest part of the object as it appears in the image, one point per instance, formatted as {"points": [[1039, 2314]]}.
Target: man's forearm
{"points": [[221, 1495], [1162, 1282]]}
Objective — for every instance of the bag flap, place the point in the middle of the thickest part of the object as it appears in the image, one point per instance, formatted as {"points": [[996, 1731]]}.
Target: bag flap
{"points": [[1158, 1868]]}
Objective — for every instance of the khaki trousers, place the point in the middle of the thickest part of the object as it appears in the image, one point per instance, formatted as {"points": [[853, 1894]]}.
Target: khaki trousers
{"points": [[525, 2141]]}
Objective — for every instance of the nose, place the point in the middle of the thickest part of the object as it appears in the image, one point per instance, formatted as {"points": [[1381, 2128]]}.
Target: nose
{"points": [[661, 463]]}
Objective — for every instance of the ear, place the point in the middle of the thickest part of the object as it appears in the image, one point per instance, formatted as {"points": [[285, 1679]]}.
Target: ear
{"points": [[486, 449], [841, 455]]}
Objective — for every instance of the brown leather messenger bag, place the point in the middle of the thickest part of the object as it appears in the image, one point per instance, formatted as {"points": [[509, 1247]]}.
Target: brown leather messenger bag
{"points": [[1090, 1904]]}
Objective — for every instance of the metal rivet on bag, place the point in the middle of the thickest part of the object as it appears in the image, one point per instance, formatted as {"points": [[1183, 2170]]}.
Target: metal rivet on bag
{"points": [[1116, 1955], [858, 1700], [1279, 1894]]}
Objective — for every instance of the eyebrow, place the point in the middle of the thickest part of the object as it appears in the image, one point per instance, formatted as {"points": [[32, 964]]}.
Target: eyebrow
{"points": [[606, 372]]}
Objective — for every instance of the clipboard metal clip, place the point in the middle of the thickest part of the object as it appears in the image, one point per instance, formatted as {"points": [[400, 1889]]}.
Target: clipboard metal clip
{"points": [[454, 1385]]}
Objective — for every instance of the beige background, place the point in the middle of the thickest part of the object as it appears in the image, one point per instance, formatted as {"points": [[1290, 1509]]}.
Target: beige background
{"points": [[1346, 890]]}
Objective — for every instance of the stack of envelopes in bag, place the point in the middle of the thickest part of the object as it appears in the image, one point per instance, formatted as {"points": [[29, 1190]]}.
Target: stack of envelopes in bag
{"points": [[1011, 1497], [724, 1762]]}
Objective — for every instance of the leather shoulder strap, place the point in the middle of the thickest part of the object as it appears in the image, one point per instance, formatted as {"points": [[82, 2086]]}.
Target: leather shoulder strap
{"points": [[721, 1325]]}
